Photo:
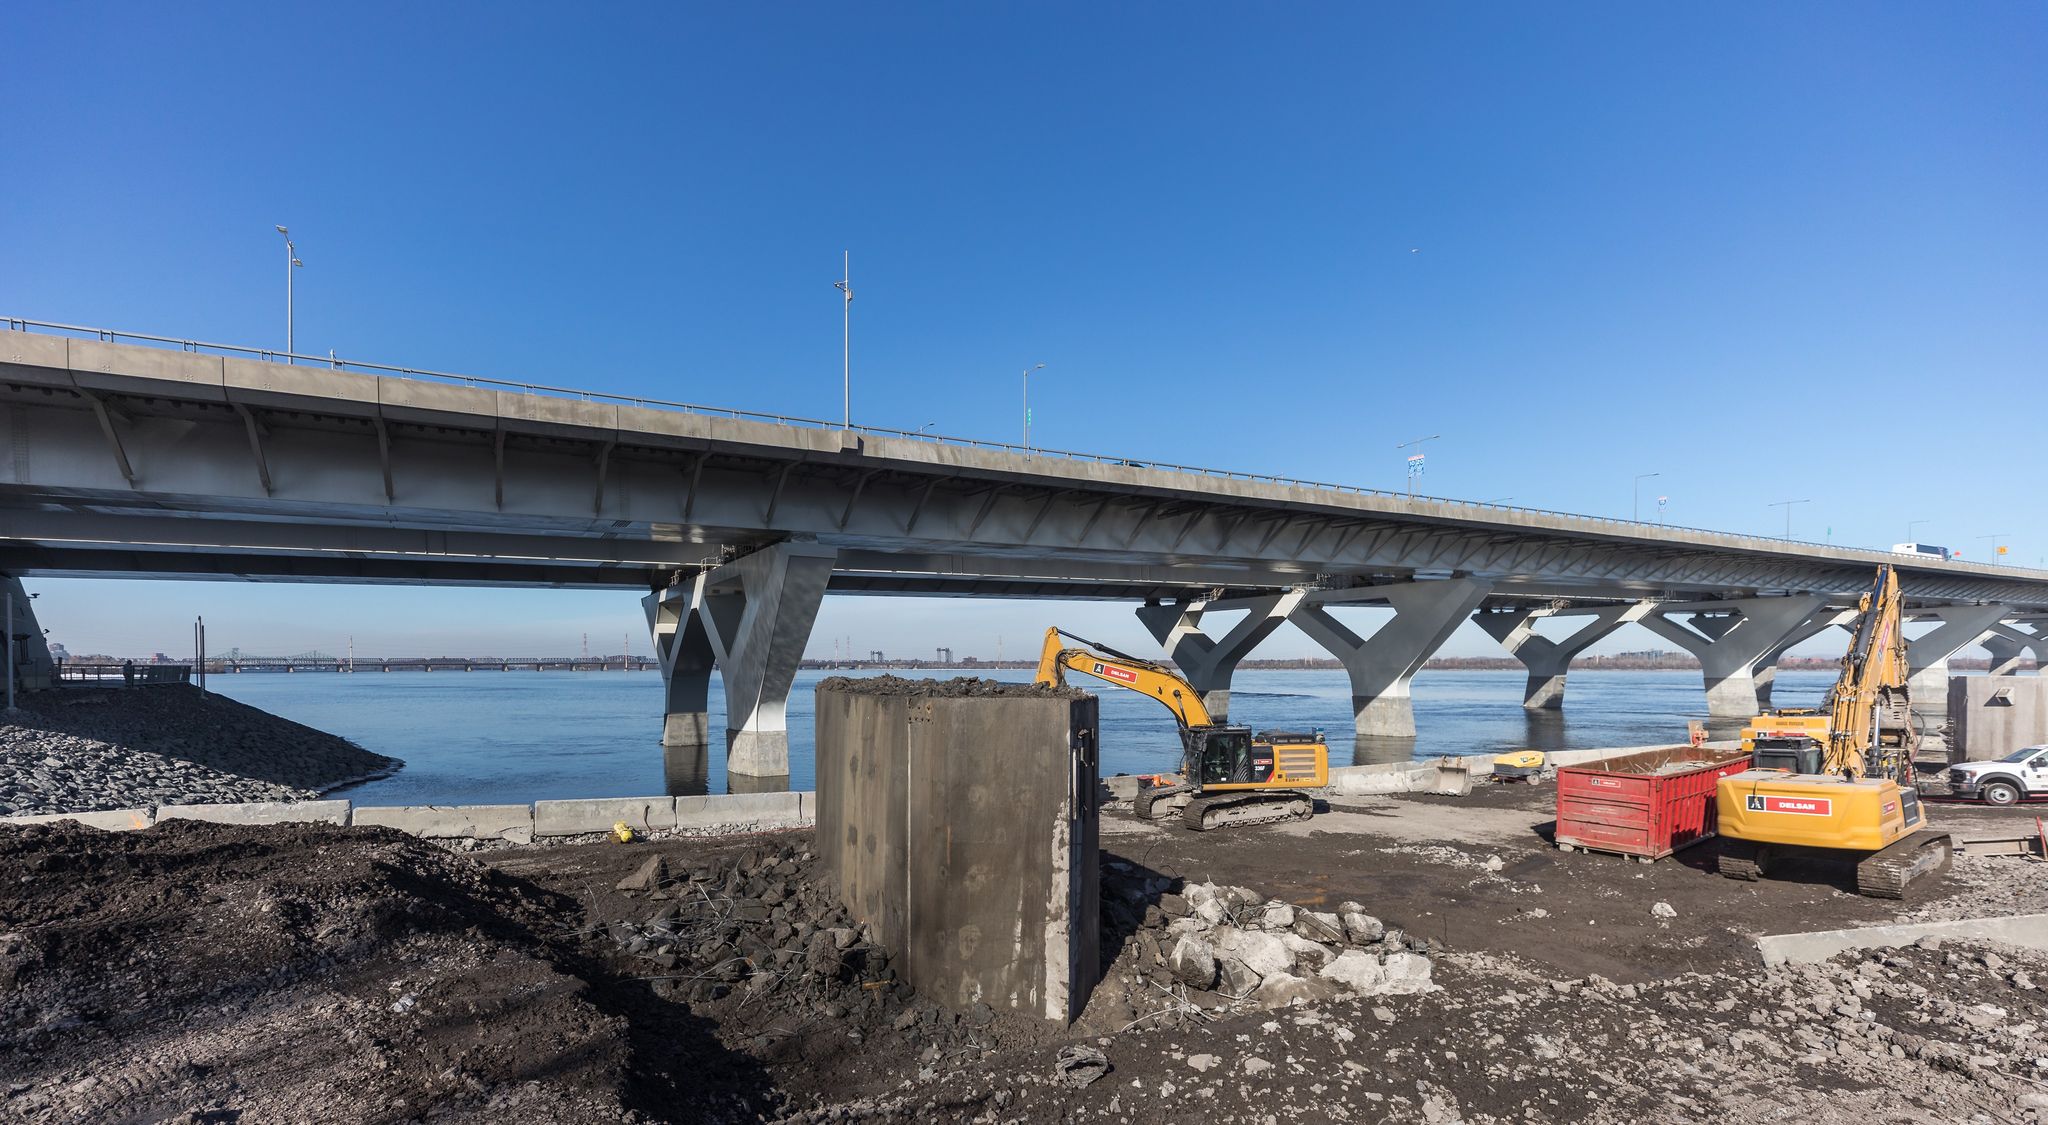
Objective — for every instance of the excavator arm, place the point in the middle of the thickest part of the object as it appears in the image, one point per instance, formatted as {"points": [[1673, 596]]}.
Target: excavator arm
{"points": [[1104, 663], [1872, 689]]}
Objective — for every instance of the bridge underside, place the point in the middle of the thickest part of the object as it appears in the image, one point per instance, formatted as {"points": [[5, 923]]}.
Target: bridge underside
{"points": [[141, 462]]}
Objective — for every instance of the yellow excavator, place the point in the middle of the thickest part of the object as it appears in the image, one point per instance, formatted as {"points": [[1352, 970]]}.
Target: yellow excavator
{"points": [[1839, 785], [1229, 776]]}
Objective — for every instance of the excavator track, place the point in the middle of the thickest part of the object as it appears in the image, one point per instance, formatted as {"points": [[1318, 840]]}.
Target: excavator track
{"points": [[1743, 859], [1887, 873], [1156, 802], [1243, 808]]}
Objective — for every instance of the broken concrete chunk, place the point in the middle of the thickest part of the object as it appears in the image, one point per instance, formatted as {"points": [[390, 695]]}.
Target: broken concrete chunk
{"points": [[646, 877], [1407, 973], [1315, 925], [1192, 962], [1262, 953], [1235, 978], [1242, 898], [1359, 926], [1277, 916], [1203, 1063], [1359, 972], [1281, 989], [1309, 956], [1078, 1066], [1174, 906]]}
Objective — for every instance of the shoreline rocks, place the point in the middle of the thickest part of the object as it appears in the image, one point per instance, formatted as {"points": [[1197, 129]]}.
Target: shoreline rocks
{"points": [[90, 749]]}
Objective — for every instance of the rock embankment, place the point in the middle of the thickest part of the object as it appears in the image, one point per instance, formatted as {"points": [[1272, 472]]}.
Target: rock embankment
{"points": [[78, 750]]}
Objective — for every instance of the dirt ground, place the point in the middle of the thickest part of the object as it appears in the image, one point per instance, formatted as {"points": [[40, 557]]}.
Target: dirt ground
{"points": [[198, 972]]}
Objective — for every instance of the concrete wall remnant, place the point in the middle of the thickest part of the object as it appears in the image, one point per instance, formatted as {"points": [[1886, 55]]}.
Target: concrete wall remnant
{"points": [[1992, 716], [260, 812], [512, 823], [959, 818]]}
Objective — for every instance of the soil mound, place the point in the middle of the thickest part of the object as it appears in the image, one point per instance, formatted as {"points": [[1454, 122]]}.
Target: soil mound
{"points": [[212, 972], [959, 687]]}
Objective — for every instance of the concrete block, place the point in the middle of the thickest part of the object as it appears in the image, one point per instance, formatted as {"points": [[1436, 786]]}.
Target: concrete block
{"points": [[742, 811], [963, 830], [113, 820], [513, 823], [2027, 930], [260, 812], [576, 818], [1992, 716]]}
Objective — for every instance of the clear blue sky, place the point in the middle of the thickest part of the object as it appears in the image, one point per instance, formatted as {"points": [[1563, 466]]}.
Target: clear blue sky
{"points": [[1770, 252]]}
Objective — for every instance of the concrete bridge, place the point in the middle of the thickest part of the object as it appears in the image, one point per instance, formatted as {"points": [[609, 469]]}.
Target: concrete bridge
{"points": [[179, 459]]}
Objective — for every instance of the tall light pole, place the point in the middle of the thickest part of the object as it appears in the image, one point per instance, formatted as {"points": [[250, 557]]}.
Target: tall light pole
{"points": [[845, 285], [1415, 461], [1635, 511], [1910, 525], [291, 262], [1993, 540], [1788, 505], [1027, 404]]}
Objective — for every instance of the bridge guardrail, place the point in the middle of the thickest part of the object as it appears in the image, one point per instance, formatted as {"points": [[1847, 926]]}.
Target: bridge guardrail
{"points": [[139, 675], [109, 335]]}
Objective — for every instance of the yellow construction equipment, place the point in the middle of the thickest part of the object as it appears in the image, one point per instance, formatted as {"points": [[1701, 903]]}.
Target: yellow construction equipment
{"points": [[1229, 776], [1839, 785]]}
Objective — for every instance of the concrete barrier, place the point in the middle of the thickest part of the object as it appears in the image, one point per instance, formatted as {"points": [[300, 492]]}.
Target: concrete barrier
{"points": [[259, 812], [2027, 930], [511, 823], [578, 818], [113, 820], [746, 812]]}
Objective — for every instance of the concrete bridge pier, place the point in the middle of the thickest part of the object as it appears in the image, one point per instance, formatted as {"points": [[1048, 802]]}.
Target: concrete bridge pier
{"points": [[1928, 654], [1731, 638], [2007, 644], [1548, 661], [1766, 671], [683, 650], [1381, 666], [1206, 662], [32, 660], [757, 613]]}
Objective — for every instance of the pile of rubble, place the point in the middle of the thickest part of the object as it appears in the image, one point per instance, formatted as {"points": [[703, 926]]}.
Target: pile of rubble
{"points": [[1232, 946], [753, 931]]}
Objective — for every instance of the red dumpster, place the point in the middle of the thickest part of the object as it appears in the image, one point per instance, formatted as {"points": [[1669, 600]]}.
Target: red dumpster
{"points": [[1648, 804]]}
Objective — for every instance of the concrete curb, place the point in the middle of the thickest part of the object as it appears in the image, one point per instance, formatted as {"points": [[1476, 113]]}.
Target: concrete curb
{"points": [[260, 812], [112, 820], [2027, 930], [712, 815]]}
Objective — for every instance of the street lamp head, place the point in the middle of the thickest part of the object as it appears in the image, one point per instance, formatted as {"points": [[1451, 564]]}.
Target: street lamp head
{"points": [[281, 229], [296, 262]]}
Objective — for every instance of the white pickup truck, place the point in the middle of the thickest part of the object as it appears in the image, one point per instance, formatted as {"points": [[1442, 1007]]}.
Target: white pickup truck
{"points": [[2006, 781]]}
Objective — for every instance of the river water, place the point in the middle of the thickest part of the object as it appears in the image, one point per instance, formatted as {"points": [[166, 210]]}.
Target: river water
{"points": [[513, 737]]}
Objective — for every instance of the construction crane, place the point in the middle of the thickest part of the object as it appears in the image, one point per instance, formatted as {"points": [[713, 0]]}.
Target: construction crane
{"points": [[1839, 785], [1229, 776]]}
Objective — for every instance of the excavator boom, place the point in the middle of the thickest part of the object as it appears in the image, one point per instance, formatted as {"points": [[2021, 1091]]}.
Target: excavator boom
{"points": [[1104, 663]]}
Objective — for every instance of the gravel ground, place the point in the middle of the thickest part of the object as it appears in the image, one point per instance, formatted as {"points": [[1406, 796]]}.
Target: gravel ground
{"points": [[214, 973], [81, 749]]}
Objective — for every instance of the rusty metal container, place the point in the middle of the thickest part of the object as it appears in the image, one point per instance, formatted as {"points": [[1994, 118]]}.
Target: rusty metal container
{"points": [[1647, 805]]}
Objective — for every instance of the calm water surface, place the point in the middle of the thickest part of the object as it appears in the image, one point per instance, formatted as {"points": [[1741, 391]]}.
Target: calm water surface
{"points": [[512, 737]]}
